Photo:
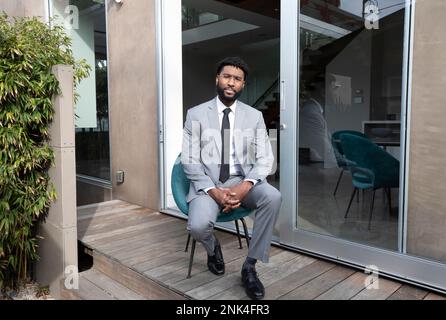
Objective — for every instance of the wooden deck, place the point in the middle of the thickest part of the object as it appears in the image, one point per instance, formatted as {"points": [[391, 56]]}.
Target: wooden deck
{"points": [[142, 252]]}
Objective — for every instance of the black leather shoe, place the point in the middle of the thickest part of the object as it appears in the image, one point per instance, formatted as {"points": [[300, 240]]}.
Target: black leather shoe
{"points": [[253, 287], [216, 264]]}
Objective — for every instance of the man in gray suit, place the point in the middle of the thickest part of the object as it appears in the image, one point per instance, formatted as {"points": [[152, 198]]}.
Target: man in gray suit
{"points": [[227, 156]]}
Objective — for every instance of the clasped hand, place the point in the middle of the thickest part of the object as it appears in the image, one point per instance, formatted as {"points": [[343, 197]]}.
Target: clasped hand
{"points": [[230, 198]]}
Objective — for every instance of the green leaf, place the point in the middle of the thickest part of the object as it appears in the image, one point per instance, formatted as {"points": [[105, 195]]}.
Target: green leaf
{"points": [[29, 49]]}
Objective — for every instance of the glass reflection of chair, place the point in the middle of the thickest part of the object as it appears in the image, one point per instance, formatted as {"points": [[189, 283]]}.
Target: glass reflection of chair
{"points": [[339, 153], [180, 188], [371, 167]]}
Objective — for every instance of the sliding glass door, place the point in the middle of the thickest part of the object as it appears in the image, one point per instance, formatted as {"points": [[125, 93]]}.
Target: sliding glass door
{"points": [[331, 78], [344, 79]]}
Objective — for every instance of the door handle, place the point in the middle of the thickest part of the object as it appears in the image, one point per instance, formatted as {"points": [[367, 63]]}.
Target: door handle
{"points": [[282, 126], [282, 95]]}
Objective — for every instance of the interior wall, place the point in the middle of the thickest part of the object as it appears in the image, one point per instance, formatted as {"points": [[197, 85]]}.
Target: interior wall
{"points": [[133, 101], [349, 63], [426, 213], [387, 55]]}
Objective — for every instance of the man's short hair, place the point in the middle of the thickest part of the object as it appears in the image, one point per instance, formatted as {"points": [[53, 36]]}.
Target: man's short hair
{"points": [[234, 62]]}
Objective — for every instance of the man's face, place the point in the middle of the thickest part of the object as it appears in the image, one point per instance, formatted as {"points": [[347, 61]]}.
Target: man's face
{"points": [[230, 83]]}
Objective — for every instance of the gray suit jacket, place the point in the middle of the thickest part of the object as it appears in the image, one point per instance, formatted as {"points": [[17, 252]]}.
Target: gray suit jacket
{"points": [[201, 149]]}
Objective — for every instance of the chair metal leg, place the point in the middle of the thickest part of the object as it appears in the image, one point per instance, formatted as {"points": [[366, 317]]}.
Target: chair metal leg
{"points": [[389, 198], [238, 234], [337, 183], [350, 203], [245, 228], [191, 260], [187, 243], [371, 208]]}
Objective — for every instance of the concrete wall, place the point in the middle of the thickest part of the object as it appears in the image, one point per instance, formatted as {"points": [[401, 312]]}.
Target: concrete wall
{"points": [[427, 176], [22, 8], [133, 101], [58, 248], [88, 193], [354, 63]]}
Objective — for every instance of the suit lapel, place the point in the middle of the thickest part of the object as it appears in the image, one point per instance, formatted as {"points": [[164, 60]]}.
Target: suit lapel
{"points": [[238, 126], [214, 122]]}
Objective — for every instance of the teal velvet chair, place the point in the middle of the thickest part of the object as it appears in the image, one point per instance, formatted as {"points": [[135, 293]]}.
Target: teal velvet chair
{"points": [[339, 152], [180, 189], [371, 167]]}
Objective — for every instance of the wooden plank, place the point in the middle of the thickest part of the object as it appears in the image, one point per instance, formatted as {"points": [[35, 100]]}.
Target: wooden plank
{"points": [[89, 291], [434, 296], [307, 273], [100, 207], [138, 249], [149, 257], [174, 253], [153, 224], [179, 268], [133, 280], [154, 243], [232, 278], [103, 220], [124, 235], [144, 262], [231, 252], [113, 288], [116, 223], [108, 213], [381, 290], [101, 204], [204, 277], [144, 243], [111, 233], [149, 236], [67, 294], [268, 276], [319, 285], [408, 292], [346, 289]]}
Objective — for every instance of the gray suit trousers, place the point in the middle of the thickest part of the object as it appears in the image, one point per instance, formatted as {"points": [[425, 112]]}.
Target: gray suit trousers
{"points": [[263, 197]]}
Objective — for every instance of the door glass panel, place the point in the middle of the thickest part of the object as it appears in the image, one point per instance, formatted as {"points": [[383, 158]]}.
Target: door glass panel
{"points": [[351, 62], [213, 30], [85, 24]]}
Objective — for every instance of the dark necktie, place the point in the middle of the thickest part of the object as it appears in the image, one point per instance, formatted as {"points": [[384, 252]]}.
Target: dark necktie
{"points": [[225, 146]]}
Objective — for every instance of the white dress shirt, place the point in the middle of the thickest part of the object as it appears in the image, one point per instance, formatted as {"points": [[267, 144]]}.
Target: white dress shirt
{"points": [[234, 167]]}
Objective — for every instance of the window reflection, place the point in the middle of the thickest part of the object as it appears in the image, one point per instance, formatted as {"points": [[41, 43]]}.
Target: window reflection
{"points": [[350, 83]]}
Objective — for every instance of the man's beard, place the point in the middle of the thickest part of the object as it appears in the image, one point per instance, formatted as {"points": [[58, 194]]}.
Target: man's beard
{"points": [[222, 95]]}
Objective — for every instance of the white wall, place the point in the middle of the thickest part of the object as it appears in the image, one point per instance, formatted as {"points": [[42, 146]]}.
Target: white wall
{"points": [[81, 30]]}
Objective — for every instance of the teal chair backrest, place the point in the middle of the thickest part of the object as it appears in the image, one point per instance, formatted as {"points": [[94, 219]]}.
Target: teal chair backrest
{"points": [[336, 142], [180, 186], [366, 154]]}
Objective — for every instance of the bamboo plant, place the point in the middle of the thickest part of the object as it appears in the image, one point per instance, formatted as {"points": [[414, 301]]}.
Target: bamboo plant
{"points": [[29, 48]]}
